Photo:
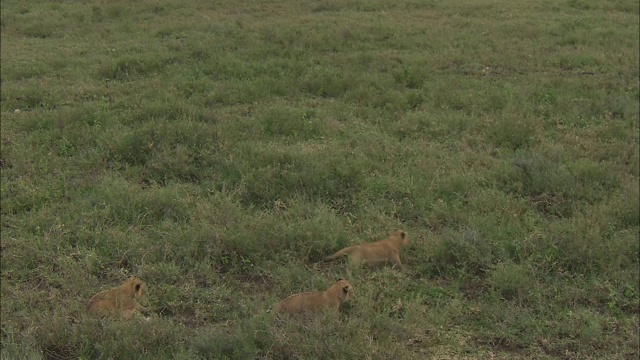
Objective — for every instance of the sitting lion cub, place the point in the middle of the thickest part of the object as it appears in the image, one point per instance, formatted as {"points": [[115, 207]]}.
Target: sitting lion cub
{"points": [[311, 302], [383, 251], [119, 301]]}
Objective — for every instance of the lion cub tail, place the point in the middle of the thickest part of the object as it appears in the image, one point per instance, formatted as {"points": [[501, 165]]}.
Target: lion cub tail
{"points": [[343, 252]]}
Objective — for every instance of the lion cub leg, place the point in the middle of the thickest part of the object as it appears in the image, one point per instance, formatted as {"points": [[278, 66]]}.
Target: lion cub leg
{"points": [[395, 260], [137, 309], [127, 314], [141, 309]]}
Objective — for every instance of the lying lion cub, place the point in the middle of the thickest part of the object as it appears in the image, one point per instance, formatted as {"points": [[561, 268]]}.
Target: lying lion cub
{"points": [[311, 302], [383, 251], [119, 301]]}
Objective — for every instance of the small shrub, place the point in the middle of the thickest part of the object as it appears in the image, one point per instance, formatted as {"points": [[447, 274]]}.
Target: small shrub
{"points": [[175, 150], [411, 77], [127, 68], [513, 132], [513, 282], [41, 30], [154, 205], [464, 252], [575, 61], [282, 174], [325, 82], [299, 123], [585, 247]]}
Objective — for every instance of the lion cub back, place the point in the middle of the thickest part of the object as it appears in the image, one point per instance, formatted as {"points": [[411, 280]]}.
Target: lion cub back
{"points": [[121, 300]]}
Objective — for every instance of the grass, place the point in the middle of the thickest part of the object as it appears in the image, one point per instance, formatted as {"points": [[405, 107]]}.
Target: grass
{"points": [[218, 150]]}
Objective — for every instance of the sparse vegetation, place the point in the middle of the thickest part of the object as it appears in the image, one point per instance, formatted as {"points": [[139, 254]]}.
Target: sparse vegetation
{"points": [[218, 150]]}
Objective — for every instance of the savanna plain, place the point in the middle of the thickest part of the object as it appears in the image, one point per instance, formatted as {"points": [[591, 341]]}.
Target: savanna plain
{"points": [[219, 150]]}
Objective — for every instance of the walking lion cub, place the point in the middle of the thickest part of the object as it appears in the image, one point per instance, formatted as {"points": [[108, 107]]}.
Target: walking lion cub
{"points": [[312, 302], [383, 251]]}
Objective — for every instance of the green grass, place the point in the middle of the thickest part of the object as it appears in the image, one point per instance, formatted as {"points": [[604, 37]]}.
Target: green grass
{"points": [[219, 149]]}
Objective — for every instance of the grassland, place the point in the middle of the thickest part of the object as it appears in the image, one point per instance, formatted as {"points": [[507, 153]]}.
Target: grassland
{"points": [[219, 149]]}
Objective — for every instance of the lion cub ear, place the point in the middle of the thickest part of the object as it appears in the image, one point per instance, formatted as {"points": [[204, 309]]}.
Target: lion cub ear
{"points": [[137, 287], [345, 289]]}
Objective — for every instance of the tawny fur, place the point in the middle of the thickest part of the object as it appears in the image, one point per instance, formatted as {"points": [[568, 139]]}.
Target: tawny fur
{"points": [[121, 301], [312, 302], [374, 253]]}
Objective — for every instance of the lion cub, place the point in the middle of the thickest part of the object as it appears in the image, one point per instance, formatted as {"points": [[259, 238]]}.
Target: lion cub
{"points": [[119, 301], [376, 252], [311, 302]]}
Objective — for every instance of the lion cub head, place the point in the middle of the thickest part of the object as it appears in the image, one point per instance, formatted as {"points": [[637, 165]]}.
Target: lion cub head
{"points": [[136, 287], [344, 290], [402, 236]]}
